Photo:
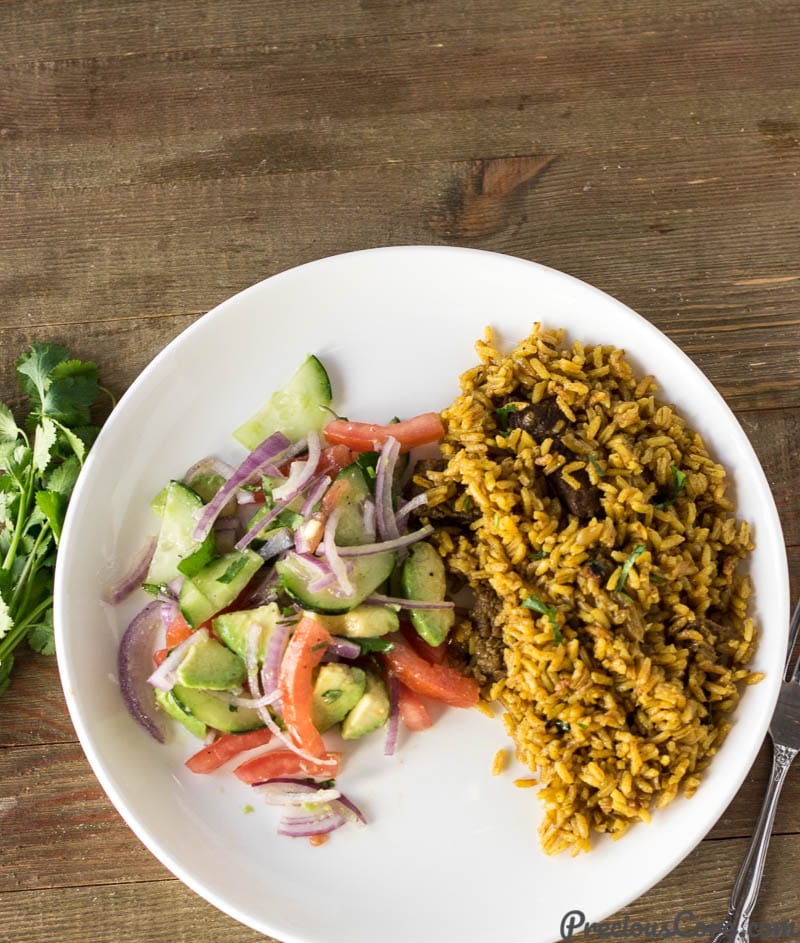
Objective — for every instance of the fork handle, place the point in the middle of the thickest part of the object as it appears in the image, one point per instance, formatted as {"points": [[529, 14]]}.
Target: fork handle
{"points": [[748, 881]]}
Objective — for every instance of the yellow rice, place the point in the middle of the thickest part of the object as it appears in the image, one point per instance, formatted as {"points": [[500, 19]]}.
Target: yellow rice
{"points": [[620, 705]]}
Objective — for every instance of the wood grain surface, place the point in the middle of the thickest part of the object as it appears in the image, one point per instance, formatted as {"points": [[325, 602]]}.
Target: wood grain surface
{"points": [[155, 158]]}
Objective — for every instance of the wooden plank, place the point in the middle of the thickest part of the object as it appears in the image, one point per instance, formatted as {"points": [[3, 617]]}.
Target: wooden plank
{"points": [[256, 109], [162, 911], [45, 30], [165, 911], [132, 255], [51, 799]]}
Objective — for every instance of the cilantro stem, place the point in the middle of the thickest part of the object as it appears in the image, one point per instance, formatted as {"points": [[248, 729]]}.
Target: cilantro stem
{"points": [[22, 514], [24, 580], [20, 629]]}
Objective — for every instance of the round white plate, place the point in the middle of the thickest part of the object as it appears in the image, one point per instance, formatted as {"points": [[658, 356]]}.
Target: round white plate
{"points": [[451, 852]]}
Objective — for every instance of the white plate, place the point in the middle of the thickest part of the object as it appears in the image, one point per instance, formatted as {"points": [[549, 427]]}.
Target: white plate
{"points": [[451, 853]]}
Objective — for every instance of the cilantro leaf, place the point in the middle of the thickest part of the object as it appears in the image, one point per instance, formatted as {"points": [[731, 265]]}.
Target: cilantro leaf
{"points": [[9, 431], [637, 551], [43, 442], [233, 570], [6, 622], [34, 368], [54, 508], [40, 636], [536, 604]]}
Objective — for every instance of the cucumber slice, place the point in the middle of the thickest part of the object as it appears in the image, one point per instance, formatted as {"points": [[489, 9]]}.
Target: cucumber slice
{"points": [[168, 703], [175, 541], [217, 585], [350, 529], [367, 575], [294, 410], [423, 578], [208, 709]]}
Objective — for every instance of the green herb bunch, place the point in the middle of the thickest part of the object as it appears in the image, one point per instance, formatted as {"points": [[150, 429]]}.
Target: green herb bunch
{"points": [[39, 465]]}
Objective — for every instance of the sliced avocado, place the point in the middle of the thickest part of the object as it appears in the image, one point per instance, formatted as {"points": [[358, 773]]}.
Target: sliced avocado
{"points": [[167, 701], [217, 585], [211, 666], [337, 689], [361, 622], [233, 628], [423, 578], [209, 709], [371, 712]]}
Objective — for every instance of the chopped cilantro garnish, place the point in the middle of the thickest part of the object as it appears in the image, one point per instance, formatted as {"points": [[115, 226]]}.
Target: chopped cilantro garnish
{"points": [[596, 466], [502, 415], [539, 555], [233, 570], [288, 611], [561, 726], [678, 483], [533, 602], [466, 504], [332, 695], [319, 646], [368, 645], [637, 551], [326, 783]]}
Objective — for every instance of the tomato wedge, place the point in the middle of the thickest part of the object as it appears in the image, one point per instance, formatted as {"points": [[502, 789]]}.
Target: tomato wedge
{"points": [[435, 681], [365, 437], [285, 763], [334, 459], [177, 631], [225, 748], [435, 654], [413, 711], [303, 653]]}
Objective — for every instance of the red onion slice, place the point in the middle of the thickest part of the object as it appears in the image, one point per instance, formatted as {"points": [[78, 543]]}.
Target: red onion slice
{"points": [[379, 600], [133, 577], [384, 480], [417, 502], [266, 452], [369, 519], [134, 660], [301, 473], [366, 550], [276, 543], [349, 810], [292, 792], [164, 676], [394, 717], [273, 657], [306, 826], [331, 551], [315, 495], [344, 647], [210, 465]]}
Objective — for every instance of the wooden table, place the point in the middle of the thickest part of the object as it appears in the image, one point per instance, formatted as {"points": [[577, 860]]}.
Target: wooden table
{"points": [[158, 157]]}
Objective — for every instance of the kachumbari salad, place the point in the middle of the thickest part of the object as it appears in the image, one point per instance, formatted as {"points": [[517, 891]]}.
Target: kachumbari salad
{"points": [[291, 598]]}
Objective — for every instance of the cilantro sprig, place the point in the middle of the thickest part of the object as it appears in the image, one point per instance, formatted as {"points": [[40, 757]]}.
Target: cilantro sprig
{"points": [[533, 602], [39, 464]]}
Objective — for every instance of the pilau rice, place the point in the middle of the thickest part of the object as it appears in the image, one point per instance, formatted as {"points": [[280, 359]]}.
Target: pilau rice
{"points": [[619, 689]]}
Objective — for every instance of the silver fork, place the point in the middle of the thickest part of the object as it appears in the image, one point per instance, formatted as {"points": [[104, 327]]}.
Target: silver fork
{"points": [[784, 730]]}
